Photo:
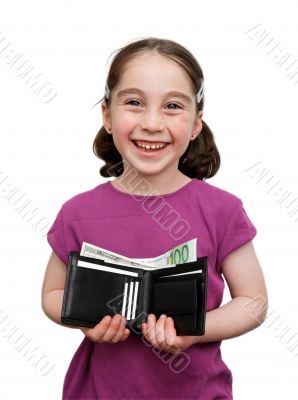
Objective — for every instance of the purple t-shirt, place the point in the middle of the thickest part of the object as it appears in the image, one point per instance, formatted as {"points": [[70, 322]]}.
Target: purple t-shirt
{"points": [[143, 227]]}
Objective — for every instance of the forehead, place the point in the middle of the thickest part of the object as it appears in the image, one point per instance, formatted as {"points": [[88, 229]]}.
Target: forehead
{"points": [[154, 73]]}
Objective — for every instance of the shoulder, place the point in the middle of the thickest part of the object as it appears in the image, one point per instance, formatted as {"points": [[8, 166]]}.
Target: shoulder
{"points": [[82, 204], [226, 216], [215, 198]]}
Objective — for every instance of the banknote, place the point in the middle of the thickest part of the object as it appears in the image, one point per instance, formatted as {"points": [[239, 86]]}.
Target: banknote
{"points": [[90, 250], [185, 252]]}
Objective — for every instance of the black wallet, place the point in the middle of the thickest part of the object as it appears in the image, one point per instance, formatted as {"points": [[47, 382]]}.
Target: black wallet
{"points": [[95, 288]]}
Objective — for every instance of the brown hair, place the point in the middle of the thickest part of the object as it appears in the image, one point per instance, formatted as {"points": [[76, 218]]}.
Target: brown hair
{"points": [[201, 159]]}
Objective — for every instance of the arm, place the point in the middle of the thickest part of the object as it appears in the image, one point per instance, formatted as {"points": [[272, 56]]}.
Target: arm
{"points": [[248, 307], [53, 289]]}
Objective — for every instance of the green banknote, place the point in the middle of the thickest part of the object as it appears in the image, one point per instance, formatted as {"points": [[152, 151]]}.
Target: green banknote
{"points": [[183, 253]]}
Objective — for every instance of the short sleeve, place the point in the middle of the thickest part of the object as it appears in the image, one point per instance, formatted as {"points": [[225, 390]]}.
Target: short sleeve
{"points": [[239, 231], [56, 238]]}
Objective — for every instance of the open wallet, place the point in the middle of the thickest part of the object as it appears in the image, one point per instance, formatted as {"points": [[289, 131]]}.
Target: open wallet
{"points": [[95, 288]]}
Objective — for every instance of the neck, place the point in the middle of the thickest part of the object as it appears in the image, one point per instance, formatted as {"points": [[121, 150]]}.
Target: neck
{"points": [[135, 183]]}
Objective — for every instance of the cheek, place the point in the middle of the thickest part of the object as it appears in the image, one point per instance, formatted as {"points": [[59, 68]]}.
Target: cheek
{"points": [[124, 123], [179, 124]]}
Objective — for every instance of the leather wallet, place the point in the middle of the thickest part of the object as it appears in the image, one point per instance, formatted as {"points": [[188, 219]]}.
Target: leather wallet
{"points": [[95, 288]]}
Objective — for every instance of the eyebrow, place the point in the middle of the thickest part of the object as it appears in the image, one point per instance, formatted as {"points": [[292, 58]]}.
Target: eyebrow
{"points": [[139, 91]]}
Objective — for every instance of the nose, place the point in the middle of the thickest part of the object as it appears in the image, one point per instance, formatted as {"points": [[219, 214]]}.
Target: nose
{"points": [[152, 120]]}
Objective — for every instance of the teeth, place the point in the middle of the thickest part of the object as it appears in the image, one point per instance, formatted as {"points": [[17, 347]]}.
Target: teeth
{"points": [[150, 147]]}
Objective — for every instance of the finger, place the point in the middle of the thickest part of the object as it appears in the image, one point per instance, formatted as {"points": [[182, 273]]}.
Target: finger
{"points": [[121, 330], [112, 329], [170, 332], [125, 335], [160, 331], [97, 332], [144, 328], [150, 331]]}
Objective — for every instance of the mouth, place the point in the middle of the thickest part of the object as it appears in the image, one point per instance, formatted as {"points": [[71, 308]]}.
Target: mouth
{"points": [[149, 147]]}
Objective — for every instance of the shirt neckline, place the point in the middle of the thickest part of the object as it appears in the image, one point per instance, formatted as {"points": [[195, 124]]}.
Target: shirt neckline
{"points": [[139, 196]]}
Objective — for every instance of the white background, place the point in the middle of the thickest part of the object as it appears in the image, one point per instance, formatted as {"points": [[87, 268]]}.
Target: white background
{"points": [[46, 150]]}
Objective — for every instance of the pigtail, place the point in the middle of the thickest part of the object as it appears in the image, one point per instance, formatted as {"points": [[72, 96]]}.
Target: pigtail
{"points": [[105, 149], [201, 159]]}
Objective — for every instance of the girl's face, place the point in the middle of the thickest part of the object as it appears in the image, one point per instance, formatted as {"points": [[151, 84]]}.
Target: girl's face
{"points": [[152, 104]]}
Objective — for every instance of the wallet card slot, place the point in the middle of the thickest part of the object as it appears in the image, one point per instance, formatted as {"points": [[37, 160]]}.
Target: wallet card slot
{"points": [[199, 271], [99, 267], [124, 297], [130, 298], [135, 299], [131, 287], [92, 294]]}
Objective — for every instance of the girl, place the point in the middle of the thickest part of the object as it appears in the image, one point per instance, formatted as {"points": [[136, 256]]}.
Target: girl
{"points": [[157, 146]]}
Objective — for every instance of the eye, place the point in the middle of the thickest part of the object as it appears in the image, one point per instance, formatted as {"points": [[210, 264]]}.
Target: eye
{"points": [[131, 101], [174, 104]]}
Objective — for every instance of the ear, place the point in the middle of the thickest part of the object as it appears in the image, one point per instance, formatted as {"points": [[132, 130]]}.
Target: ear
{"points": [[106, 117], [197, 127]]}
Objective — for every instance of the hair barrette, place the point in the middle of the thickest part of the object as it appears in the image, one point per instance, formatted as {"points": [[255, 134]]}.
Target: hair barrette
{"points": [[200, 93], [107, 91]]}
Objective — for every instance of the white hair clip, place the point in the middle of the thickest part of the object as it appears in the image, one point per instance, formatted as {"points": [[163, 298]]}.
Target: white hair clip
{"points": [[200, 93], [107, 91]]}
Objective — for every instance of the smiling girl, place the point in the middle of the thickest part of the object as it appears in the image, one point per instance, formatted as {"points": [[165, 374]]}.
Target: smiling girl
{"points": [[156, 145]]}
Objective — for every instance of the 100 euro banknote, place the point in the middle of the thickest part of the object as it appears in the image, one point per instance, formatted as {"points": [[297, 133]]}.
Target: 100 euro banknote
{"points": [[183, 253]]}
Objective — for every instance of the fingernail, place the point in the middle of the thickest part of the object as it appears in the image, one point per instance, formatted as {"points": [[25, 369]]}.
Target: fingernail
{"points": [[107, 318]]}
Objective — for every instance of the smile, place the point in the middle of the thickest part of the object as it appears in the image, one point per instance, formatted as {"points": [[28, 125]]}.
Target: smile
{"points": [[145, 146]]}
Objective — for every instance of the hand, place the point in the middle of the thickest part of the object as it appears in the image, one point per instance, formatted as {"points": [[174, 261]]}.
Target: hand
{"points": [[108, 330], [162, 335]]}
